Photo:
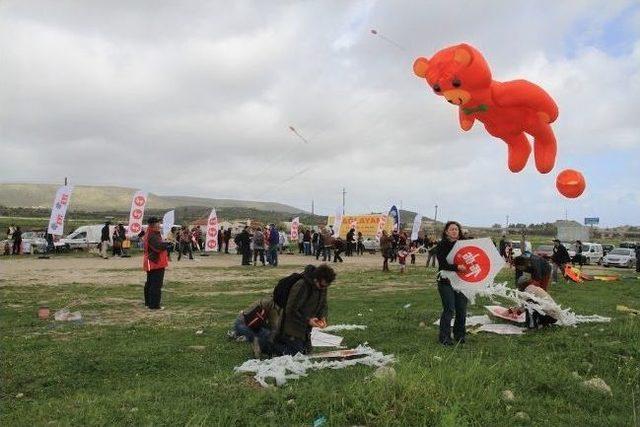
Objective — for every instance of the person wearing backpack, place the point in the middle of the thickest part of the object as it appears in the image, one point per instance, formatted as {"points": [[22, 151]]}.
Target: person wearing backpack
{"points": [[258, 246], [305, 308]]}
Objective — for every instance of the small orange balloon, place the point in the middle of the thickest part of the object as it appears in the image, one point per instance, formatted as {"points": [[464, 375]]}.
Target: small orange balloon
{"points": [[570, 183]]}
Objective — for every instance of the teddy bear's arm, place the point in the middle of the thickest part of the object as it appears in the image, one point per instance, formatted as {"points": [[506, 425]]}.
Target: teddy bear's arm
{"points": [[466, 120], [522, 93]]}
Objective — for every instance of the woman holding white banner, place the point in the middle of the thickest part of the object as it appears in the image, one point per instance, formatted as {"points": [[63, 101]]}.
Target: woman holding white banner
{"points": [[452, 301]]}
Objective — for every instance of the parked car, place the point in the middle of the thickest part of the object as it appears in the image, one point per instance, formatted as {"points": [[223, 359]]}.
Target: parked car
{"points": [[517, 251], [620, 257], [33, 241], [371, 245], [570, 249], [544, 251], [629, 245], [83, 237], [592, 253]]}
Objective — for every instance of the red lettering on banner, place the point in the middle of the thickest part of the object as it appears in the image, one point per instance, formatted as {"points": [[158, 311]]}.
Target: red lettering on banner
{"points": [[64, 199], [135, 227], [477, 263], [212, 244], [59, 219], [139, 200], [137, 213], [213, 221]]}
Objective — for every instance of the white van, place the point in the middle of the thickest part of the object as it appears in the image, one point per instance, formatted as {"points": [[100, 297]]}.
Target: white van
{"points": [[83, 237], [592, 253], [517, 251]]}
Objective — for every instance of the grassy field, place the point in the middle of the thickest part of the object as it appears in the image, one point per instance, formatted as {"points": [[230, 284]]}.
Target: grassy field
{"points": [[125, 365]]}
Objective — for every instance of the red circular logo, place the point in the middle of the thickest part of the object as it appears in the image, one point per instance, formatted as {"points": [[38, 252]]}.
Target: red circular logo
{"points": [[139, 200], [476, 261], [135, 227], [137, 213], [213, 221], [212, 233], [211, 244]]}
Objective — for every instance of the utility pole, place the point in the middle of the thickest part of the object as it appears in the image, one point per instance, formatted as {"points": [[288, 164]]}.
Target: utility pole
{"points": [[65, 180], [435, 217], [344, 192], [507, 224], [312, 211]]}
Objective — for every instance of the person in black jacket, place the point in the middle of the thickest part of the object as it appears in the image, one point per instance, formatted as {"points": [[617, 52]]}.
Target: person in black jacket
{"points": [[452, 301], [104, 239], [17, 241], [227, 237], [560, 258], [244, 245]]}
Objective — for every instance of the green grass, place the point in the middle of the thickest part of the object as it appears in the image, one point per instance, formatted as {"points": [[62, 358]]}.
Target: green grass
{"points": [[123, 365]]}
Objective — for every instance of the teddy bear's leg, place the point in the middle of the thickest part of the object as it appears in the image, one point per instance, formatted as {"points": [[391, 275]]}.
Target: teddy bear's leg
{"points": [[544, 147], [519, 150]]}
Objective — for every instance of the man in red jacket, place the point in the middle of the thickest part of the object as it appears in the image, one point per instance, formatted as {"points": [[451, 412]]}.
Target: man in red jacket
{"points": [[156, 259]]}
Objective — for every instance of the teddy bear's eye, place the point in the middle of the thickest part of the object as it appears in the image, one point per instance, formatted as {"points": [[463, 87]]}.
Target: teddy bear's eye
{"points": [[436, 87], [456, 82]]}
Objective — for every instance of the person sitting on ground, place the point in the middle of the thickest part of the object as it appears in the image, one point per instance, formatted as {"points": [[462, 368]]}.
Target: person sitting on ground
{"points": [[256, 325], [305, 308]]}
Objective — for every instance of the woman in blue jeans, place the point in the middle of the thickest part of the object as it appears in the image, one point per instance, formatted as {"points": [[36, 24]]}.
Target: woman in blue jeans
{"points": [[452, 301]]}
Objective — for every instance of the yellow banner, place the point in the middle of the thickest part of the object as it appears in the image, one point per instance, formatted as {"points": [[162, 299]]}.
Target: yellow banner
{"points": [[365, 224]]}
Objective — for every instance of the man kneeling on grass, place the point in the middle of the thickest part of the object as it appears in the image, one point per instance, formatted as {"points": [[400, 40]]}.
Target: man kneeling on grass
{"points": [[282, 324]]}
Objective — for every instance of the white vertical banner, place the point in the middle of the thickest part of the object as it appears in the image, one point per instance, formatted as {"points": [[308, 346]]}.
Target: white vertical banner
{"points": [[168, 220], [381, 223], [211, 242], [138, 204], [59, 210], [337, 222], [353, 224], [295, 224], [417, 222]]}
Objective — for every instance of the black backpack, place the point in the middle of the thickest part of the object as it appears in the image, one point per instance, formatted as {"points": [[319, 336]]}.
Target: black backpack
{"points": [[282, 289]]}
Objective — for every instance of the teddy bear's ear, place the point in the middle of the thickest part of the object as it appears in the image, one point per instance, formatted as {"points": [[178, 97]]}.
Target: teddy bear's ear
{"points": [[463, 55], [420, 67]]}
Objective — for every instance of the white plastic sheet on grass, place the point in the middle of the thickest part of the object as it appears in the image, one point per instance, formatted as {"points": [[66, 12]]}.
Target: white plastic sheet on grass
{"points": [[285, 368], [322, 339], [565, 316], [502, 329]]}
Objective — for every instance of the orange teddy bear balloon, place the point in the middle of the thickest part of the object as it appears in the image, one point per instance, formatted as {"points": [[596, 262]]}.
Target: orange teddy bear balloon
{"points": [[507, 109]]}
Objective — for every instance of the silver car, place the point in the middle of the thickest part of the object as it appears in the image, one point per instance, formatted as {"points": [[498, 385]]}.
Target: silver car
{"points": [[34, 241], [620, 257]]}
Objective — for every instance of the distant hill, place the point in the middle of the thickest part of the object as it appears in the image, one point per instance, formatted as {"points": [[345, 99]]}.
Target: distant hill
{"points": [[98, 198]]}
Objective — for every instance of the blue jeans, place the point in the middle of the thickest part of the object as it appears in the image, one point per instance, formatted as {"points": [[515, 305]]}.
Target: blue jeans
{"points": [[307, 248], [262, 334], [452, 301], [272, 255]]}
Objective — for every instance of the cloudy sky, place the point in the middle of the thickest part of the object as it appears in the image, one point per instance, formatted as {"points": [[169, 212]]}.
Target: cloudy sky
{"points": [[196, 98]]}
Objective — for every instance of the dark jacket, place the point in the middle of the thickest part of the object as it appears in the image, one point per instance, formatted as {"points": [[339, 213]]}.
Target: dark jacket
{"points": [[105, 233], [274, 237], [305, 302], [560, 255], [442, 251], [243, 240]]}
